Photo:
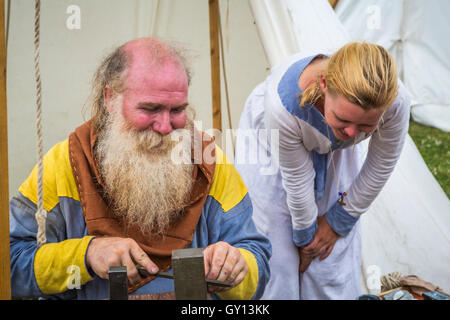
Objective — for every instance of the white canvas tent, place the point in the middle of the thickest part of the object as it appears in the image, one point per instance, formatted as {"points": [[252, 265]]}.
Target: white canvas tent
{"points": [[408, 221], [69, 55], [416, 32]]}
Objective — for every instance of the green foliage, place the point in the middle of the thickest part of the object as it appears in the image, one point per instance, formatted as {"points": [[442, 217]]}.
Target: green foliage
{"points": [[434, 146]]}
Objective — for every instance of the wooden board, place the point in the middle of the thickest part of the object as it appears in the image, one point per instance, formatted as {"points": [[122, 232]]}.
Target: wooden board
{"points": [[5, 273]]}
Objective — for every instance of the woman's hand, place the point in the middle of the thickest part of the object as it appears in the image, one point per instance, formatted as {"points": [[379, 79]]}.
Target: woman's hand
{"points": [[305, 260], [324, 240], [322, 244]]}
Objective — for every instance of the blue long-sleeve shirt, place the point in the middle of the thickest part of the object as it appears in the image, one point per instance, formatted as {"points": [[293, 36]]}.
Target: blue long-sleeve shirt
{"points": [[58, 269]]}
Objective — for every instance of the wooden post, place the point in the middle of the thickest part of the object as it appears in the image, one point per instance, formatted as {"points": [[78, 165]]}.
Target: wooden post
{"points": [[215, 63], [5, 273]]}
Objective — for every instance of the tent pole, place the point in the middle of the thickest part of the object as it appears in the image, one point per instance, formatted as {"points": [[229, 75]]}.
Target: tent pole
{"points": [[215, 63], [5, 273]]}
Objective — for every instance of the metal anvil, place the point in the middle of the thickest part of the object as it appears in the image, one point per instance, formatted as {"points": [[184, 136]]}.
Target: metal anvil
{"points": [[188, 275]]}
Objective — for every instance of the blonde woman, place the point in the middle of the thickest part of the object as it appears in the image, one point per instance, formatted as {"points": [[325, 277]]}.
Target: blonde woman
{"points": [[314, 109]]}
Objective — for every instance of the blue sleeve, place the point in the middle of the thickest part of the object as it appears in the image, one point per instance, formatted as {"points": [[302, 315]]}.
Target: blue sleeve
{"points": [[340, 220], [237, 228], [23, 247], [303, 237]]}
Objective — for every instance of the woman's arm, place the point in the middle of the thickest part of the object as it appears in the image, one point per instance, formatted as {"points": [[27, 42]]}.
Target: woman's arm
{"points": [[297, 171], [384, 150]]}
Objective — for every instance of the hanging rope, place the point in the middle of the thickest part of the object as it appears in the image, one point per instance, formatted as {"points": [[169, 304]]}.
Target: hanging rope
{"points": [[41, 215]]}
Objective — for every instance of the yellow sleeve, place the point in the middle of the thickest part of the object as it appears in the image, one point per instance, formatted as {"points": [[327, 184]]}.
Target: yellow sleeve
{"points": [[247, 288], [227, 188], [58, 178], [61, 266]]}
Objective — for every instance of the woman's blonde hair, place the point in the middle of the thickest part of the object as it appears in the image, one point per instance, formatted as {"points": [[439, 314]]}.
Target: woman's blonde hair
{"points": [[364, 74]]}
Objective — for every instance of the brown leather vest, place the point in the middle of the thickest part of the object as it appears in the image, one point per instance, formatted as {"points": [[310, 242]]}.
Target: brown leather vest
{"points": [[101, 221]]}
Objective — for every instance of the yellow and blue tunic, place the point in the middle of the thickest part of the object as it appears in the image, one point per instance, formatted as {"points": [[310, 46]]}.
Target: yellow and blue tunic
{"points": [[58, 270]]}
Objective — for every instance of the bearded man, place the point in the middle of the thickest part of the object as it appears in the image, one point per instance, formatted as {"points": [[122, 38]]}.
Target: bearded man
{"points": [[116, 193]]}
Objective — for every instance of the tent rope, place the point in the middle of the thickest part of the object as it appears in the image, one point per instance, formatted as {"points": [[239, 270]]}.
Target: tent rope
{"points": [[41, 214]]}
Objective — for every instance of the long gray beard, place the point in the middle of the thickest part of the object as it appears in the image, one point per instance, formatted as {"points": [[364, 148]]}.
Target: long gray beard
{"points": [[144, 185]]}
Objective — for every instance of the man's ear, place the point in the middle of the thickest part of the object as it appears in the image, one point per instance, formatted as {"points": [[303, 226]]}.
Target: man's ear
{"points": [[107, 97]]}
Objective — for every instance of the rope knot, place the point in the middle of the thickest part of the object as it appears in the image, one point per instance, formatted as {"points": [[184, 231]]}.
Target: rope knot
{"points": [[391, 281]]}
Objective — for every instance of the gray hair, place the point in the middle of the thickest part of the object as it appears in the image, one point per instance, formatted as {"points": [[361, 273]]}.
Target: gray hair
{"points": [[112, 72]]}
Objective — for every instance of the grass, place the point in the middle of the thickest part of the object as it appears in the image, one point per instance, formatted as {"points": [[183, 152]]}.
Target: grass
{"points": [[434, 146]]}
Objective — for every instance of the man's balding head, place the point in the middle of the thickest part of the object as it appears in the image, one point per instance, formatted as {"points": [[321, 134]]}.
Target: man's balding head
{"points": [[151, 50], [130, 64]]}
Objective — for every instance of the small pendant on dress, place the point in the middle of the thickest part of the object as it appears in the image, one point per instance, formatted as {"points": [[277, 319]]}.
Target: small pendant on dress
{"points": [[341, 201]]}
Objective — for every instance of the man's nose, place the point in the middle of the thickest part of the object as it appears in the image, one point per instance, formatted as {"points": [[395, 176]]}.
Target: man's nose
{"points": [[162, 123], [351, 131]]}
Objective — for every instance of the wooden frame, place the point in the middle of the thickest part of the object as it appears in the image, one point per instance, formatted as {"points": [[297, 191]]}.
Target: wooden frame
{"points": [[214, 26], [5, 272]]}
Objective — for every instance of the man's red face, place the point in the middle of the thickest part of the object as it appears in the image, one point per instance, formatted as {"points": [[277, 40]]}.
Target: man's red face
{"points": [[155, 99]]}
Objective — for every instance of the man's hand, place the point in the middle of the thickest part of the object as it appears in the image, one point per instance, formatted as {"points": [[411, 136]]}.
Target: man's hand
{"points": [[106, 252], [225, 263], [321, 245]]}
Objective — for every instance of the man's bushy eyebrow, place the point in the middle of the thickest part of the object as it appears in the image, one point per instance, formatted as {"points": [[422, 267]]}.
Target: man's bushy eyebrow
{"points": [[159, 105]]}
